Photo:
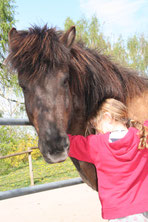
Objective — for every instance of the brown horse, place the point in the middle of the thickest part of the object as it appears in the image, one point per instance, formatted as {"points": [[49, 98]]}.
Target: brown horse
{"points": [[64, 83]]}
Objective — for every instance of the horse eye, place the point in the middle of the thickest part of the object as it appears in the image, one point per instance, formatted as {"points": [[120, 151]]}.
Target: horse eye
{"points": [[65, 81]]}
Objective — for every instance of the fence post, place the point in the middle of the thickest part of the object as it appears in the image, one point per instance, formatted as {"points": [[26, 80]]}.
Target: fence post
{"points": [[30, 167]]}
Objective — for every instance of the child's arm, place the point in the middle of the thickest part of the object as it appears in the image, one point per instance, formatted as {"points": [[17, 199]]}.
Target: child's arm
{"points": [[80, 148]]}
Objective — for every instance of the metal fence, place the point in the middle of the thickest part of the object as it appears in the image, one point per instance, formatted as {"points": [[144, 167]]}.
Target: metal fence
{"points": [[14, 122], [33, 188]]}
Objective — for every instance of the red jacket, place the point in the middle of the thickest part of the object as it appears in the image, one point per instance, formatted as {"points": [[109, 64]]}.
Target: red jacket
{"points": [[122, 171]]}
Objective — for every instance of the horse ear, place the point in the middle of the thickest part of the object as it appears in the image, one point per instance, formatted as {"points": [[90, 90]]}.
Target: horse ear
{"points": [[11, 34], [69, 37]]}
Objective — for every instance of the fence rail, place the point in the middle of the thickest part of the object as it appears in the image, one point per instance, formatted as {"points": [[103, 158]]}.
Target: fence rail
{"points": [[16, 154], [39, 188], [29, 151], [19, 122], [36, 188], [14, 122]]}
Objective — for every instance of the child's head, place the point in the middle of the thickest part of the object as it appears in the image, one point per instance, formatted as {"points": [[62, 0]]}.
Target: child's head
{"points": [[111, 114]]}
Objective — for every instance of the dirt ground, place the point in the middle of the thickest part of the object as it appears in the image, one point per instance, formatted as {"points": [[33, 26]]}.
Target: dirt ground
{"points": [[68, 204]]}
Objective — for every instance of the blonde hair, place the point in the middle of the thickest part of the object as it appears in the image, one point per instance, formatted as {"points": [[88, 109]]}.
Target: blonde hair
{"points": [[118, 112]]}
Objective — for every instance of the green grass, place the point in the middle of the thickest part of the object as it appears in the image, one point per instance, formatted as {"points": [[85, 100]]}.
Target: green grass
{"points": [[43, 173]]}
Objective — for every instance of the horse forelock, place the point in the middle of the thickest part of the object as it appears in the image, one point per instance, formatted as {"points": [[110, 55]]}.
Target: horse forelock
{"points": [[36, 51]]}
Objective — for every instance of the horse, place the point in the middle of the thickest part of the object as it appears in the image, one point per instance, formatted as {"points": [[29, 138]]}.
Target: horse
{"points": [[64, 83]]}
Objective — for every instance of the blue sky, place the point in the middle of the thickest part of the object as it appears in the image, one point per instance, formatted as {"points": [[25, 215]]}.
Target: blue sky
{"points": [[125, 17], [53, 12]]}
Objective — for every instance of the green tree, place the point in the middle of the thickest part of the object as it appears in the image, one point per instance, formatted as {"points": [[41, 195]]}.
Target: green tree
{"points": [[96, 36], [9, 89], [89, 31], [68, 23], [133, 52], [6, 22], [137, 47], [16, 140], [119, 52]]}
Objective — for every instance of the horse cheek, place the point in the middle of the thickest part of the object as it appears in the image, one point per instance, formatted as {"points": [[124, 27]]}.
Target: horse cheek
{"points": [[68, 110]]}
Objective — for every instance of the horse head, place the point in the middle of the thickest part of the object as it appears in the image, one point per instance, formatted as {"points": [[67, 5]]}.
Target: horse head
{"points": [[41, 58]]}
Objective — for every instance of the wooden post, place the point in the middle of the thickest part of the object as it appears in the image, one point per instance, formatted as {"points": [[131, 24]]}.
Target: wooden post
{"points": [[29, 159], [30, 167]]}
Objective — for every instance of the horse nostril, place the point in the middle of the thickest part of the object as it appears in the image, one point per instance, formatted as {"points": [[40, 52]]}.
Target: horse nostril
{"points": [[67, 143], [63, 144]]}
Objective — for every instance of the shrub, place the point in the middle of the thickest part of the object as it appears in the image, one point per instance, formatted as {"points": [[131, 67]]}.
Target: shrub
{"points": [[15, 141]]}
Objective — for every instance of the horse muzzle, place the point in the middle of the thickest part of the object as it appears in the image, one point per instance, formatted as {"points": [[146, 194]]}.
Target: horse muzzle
{"points": [[56, 158], [54, 152]]}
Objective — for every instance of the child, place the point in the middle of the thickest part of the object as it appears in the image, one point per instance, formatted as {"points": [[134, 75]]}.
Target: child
{"points": [[121, 159]]}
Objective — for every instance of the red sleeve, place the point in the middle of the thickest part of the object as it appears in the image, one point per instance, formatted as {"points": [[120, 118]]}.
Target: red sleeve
{"points": [[146, 123], [80, 148]]}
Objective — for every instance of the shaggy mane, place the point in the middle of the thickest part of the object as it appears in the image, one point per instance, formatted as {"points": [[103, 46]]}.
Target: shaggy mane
{"points": [[37, 50], [96, 77]]}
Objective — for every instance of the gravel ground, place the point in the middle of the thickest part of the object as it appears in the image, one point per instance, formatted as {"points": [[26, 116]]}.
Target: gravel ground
{"points": [[69, 204]]}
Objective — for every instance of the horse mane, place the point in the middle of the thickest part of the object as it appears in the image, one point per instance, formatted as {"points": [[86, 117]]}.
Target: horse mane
{"points": [[93, 76], [37, 50], [96, 77]]}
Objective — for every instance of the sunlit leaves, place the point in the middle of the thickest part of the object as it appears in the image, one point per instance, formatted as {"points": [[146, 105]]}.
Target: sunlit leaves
{"points": [[131, 52]]}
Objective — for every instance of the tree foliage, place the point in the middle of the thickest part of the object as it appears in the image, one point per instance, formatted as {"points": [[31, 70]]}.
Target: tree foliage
{"points": [[6, 22], [14, 140], [137, 47], [132, 52], [88, 31], [10, 92]]}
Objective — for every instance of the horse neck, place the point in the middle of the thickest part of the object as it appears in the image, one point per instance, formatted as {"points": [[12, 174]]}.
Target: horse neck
{"points": [[91, 83], [94, 77]]}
